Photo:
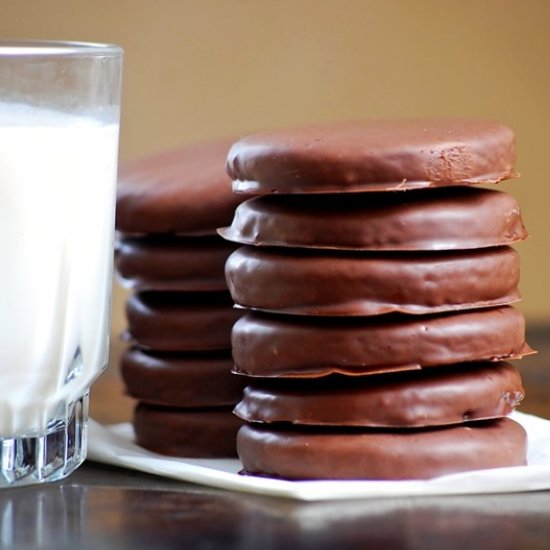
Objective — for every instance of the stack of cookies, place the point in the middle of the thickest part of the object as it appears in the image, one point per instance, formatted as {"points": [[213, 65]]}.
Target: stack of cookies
{"points": [[180, 312], [377, 281]]}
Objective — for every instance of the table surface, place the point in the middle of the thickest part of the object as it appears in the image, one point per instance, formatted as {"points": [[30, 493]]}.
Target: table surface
{"points": [[105, 507]]}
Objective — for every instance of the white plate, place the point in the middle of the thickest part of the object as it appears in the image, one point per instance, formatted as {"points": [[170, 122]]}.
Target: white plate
{"points": [[114, 445]]}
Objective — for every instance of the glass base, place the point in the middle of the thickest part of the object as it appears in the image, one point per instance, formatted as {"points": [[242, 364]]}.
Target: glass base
{"points": [[51, 456]]}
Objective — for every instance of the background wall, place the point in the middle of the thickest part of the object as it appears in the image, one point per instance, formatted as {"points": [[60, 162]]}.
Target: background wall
{"points": [[197, 69]]}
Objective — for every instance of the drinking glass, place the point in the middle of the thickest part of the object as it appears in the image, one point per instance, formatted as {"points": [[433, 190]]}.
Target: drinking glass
{"points": [[59, 125]]}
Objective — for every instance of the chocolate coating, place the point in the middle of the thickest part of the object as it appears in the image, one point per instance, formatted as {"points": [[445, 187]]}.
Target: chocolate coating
{"points": [[178, 321], [448, 395], [310, 282], [455, 218], [181, 380], [205, 433], [293, 346], [376, 454], [185, 190], [372, 155], [173, 263]]}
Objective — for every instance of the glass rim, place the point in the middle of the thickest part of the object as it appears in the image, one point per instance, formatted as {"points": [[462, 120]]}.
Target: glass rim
{"points": [[56, 48]]}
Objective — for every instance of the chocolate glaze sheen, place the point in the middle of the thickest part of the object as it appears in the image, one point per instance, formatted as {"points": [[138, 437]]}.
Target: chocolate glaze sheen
{"points": [[173, 263], [178, 321], [372, 155], [183, 380], [293, 346], [455, 218], [311, 282], [430, 397], [378, 454], [185, 191], [201, 433]]}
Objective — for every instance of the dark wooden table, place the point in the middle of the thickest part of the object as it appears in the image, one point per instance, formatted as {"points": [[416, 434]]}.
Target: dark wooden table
{"points": [[104, 507]]}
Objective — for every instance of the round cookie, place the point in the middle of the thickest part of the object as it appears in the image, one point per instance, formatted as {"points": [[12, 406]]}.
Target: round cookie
{"points": [[448, 395], [178, 321], [173, 263], [372, 155], [185, 190], [456, 218], [181, 380], [204, 433], [309, 347], [311, 282], [377, 454]]}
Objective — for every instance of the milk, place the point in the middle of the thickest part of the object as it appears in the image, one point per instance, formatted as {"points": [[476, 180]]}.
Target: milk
{"points": [[57, 189]]}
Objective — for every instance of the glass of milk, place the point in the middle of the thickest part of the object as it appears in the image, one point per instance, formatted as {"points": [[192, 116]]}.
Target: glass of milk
{"points": [[59, 125]]}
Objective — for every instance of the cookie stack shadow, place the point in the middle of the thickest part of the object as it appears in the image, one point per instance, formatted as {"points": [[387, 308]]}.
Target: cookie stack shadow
{"points": [[179, 313], [377, 283]]}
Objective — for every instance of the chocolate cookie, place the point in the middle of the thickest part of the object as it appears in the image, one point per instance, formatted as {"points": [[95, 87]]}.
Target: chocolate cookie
{"points": [[179, 321], [311, 282], [432, 397], [185, 190], [455, 218], [181, 380], [294, 346], [173, 263], [203, 433], [303, 453], [372, 155]]}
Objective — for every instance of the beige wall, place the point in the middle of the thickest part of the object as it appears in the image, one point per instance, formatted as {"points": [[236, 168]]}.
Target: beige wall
{"points": [[202, 68]]}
